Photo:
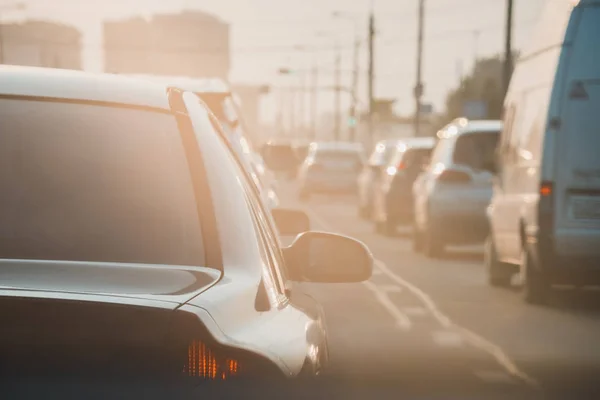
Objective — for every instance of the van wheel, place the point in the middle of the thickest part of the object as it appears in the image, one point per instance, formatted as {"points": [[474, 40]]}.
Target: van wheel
{"points": [[499, 274], [536, 288], [417, 239], [433, 246]]}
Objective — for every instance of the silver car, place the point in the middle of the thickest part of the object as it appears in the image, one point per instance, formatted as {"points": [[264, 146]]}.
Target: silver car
{"points": [[452, 194], [330, 167]]}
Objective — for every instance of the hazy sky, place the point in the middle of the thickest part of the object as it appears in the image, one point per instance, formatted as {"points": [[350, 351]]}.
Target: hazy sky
{"points": [[272, 25]]}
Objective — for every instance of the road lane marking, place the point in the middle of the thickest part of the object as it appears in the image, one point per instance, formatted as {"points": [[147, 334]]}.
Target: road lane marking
{"points": [[402, 321], [415, 311], [390, 288], [448, 338], [474, 339], [491, 376]]}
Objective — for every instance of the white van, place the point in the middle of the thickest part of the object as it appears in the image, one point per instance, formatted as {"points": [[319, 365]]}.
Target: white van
{"points": [[545, 211]]}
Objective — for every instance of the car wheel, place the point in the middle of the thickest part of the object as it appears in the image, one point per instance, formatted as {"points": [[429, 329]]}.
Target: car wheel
{"points": [[499, 274], [389, 227], [432, 244], [536, 288], [364, 212]]}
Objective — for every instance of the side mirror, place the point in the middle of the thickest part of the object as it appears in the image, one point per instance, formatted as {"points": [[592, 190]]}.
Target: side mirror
{"points": [[321, 257], [290, 222], [279, 157]]}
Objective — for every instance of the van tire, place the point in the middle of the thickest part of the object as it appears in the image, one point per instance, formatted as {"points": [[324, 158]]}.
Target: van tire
{"points": [[433, 246], [536, 288], [417, 239], [498, 273]]}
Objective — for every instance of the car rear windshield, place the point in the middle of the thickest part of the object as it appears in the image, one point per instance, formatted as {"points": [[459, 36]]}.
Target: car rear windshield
{"points": [[475, 149], [95, 183], [415, 157], [333, 156]]}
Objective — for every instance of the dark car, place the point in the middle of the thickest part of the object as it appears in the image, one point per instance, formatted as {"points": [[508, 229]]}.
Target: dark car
{"points": [[134, 244], [392, 193]]}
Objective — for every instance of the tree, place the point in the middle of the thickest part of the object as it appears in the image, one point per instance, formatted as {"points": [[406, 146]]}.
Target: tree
{"points": [[484, 83]]}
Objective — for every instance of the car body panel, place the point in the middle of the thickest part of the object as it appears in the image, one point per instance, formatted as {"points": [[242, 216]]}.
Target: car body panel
{"points": [[243, 302]]}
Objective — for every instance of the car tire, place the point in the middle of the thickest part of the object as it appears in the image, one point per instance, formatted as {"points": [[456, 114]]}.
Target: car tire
{"points": [[536, 288], [364, 212], [498, 273], [433, 246]]}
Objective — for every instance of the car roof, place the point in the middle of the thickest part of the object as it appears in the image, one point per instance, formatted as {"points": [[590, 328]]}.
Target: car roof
{"points": [[78, 85], [198, 85], [418, 142], [461, 126], [337, 146]]}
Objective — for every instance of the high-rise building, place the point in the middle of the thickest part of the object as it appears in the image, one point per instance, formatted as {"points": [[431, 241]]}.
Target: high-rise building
{"points": [[190, 43], [40, 44]]}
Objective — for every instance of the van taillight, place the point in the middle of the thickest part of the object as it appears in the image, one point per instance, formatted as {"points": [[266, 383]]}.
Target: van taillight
{"points": [[546, 207], [453, 176], [546, 189]]}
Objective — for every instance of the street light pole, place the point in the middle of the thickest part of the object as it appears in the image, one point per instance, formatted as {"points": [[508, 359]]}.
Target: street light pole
{"points": [[314, 94], [418, 91], [508, 46], [338, 90], [371, 80]]}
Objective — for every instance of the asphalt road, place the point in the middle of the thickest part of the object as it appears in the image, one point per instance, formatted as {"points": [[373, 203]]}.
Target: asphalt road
{"points": [[433, 327]]}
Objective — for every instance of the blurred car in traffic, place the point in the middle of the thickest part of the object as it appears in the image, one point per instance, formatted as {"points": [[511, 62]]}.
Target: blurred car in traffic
{"points": [[545, 212], [452, 195], [142, 249], [392, 191], [371, 173], [330, 167], [223, 103]]}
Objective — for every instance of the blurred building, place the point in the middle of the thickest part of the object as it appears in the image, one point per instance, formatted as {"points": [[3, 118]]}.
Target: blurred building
{"points": [[40, 44], [190, 43], [251, 98]]}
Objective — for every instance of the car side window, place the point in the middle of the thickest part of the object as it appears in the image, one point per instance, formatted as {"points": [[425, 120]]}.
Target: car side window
{"points": [[236, 197], [263, 223]]}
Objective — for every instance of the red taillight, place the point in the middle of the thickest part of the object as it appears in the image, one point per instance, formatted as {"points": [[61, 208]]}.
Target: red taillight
{"points": [[205, 363], [453, 176], [546, 189]]}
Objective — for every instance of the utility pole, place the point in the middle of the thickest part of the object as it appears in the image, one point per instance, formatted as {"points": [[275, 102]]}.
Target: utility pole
{"points": [[354, 86], [418, 91], [508, 63], [301, 104], [314, 116], [338, 90], [371, 80], [292, 110]]}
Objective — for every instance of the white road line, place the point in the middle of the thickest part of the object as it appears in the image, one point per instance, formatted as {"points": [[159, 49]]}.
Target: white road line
{"points": [[476, 340], [402, 320], [389, 288], [470, 336]]}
